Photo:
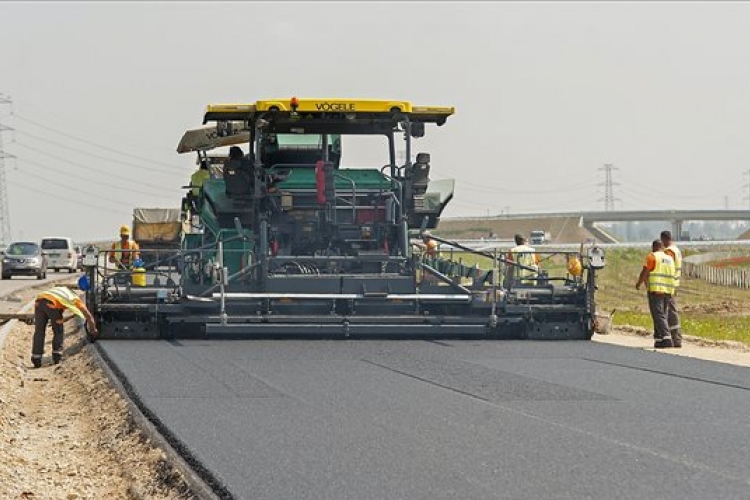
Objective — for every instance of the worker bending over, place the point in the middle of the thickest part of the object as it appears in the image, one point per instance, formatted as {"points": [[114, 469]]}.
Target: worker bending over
{"points": [[49, 307]]}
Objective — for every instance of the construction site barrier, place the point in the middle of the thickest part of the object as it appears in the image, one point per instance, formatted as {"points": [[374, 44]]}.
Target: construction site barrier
{"points": [[739, 278]]}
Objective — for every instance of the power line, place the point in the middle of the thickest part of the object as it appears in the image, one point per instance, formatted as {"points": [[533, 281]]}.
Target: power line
{"points": [[49, 116], [493, 189], [92, 143], [65, 198], [651, 191], [44, 178], [111, 176], [99, 157], [4, 210]]}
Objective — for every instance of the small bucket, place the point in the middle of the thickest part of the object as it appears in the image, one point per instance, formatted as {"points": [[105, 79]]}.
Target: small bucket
{"points": [[139, 277], [138, 273]]}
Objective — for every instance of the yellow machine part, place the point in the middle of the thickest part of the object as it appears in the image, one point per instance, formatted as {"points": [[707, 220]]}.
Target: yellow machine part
{"points": [[245, 111]]}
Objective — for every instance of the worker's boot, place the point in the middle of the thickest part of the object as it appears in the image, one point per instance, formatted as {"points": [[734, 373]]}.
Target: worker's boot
{"points": [[56, 358], [676, 341], [37, 362], [662, 343]]}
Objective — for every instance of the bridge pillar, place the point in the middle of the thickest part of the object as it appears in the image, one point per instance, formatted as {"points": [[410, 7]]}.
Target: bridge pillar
{"points": [[677, 230]]}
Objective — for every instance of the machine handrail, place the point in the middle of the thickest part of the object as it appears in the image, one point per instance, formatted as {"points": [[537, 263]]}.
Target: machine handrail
{"points": [[354, 194], [396, 198]]}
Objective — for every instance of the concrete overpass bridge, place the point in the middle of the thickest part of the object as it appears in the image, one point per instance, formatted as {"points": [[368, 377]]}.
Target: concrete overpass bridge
{"points": [[676, 218]]}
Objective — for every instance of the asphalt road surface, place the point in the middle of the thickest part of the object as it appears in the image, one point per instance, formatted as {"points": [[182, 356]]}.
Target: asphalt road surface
{"points": [[370, 419], [20, 282]]}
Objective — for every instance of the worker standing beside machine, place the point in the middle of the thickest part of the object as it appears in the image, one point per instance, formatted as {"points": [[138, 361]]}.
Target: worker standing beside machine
{"points": [[527, 260], [124, 251]]}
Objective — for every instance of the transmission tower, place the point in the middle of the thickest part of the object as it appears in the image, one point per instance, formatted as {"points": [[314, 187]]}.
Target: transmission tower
{"points": [[609, 197], [4, 212]]}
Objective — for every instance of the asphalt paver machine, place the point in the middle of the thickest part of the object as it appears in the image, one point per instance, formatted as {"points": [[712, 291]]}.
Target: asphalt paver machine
{"points": [[288, 238]]}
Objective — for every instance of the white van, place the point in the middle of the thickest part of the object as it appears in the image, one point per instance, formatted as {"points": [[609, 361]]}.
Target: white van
{"points": [[61, 254]]}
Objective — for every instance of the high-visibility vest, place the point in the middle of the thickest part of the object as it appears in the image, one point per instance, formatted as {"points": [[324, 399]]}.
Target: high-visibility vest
{"points": [[65, 297], [524, 255], [677, 263], [198, 178], [124, 257], [661, 279]]}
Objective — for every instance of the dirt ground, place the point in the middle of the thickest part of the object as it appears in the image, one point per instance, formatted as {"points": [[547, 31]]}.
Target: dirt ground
{"points": [[65, 433]]}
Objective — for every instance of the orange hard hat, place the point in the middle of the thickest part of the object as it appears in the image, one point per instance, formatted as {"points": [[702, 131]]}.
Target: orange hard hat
{"points": [[574, 266]]}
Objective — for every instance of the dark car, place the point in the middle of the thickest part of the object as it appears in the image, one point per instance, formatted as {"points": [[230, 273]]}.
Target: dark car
{"points": [[24, 258]]}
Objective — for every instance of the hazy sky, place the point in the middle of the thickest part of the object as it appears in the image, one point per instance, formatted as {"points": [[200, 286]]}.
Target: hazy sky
{"points": [[545, 94]]}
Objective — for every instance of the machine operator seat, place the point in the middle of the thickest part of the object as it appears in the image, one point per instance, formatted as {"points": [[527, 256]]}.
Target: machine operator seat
{"points": [[420, 173], [238, 178]]}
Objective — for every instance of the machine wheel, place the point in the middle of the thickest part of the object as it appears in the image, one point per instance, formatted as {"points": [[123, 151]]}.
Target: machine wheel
{"points": [[6, 276], [54, 269], [71, 270]]}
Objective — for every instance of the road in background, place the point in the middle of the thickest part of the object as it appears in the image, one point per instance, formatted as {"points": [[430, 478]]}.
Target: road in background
{"points": [[20, 282]]}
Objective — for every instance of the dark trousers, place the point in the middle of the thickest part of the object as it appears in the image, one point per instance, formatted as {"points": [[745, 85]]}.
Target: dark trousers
{"points": [[43, 313], [658, 305], [673, 319]]}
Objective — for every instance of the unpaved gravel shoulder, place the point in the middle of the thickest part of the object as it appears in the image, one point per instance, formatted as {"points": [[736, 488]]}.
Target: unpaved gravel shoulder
{"points": [[65, 433], [734, 353]]}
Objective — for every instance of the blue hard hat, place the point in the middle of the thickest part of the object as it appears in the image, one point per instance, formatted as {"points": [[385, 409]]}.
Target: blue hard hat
{"points": [[137, 263], [83, 283]]}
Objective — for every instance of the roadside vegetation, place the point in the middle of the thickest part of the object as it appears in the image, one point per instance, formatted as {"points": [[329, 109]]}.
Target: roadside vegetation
{"points": [[708, 311], [739, 262]]}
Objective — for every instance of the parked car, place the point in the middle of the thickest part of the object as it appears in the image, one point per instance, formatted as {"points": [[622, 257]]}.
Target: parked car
{"points": [[61, 254], [24, 258]]}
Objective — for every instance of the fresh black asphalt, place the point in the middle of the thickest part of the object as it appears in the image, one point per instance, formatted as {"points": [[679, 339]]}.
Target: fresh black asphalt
{"points": [[366, 419]]}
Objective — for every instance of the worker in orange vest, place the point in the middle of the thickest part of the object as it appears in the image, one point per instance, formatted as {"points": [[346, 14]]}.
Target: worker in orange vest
{"points": [[658, 273], [125, 251]]}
